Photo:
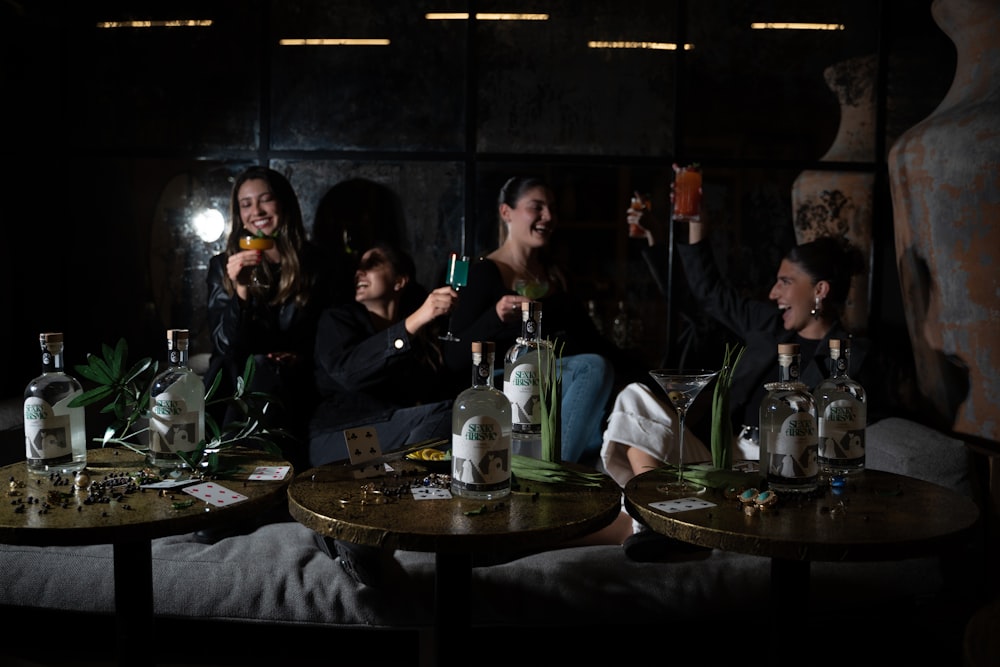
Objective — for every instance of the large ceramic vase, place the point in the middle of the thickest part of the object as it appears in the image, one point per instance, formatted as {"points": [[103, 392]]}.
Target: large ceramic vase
{"points": [[839, 203], [945, 183]]}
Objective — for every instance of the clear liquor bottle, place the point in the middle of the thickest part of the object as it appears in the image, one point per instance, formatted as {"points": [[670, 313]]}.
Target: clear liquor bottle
{"points": [[55, 435], [176, 406], [480, 440], [621, 327], [521, 382], [789, 440], [842, 414]]}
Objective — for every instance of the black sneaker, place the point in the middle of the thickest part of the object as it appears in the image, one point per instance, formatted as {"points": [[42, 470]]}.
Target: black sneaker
{"points": [[647, 546], [370, 566]]}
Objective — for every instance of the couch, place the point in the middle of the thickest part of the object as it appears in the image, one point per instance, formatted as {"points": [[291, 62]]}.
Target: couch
{"points": [[579, 605]]}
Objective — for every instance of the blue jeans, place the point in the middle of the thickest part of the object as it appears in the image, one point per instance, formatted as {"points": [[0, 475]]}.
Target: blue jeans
{"points": [[587, 381]]}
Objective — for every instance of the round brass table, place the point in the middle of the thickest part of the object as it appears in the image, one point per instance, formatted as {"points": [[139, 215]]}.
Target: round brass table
{"points": [[57, 515], [328, 499], [876, 516]]}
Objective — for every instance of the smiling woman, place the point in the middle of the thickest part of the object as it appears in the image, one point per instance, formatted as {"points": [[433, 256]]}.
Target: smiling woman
{"points": [[271, 319], [378, 361]]}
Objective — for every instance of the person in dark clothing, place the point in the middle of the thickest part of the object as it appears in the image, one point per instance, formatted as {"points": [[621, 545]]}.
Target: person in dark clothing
{"points": [[522, 269], [378, 360], [273, 323], [808, 297]]}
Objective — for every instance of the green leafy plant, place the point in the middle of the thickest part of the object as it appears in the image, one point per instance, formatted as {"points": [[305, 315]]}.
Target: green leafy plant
{"points": [[550, 394], [722, 425], [124, 390]]}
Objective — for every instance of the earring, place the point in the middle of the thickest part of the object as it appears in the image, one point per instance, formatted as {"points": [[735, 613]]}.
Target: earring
{"points": [[817, 309]]}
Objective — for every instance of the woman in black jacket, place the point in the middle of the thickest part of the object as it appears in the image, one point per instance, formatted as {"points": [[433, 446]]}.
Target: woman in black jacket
{"points": [[275, 323], [378, 362], [806, 302]]}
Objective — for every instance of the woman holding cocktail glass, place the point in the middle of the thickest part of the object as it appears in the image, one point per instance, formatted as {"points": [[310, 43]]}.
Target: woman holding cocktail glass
{"points": [[265, 302], [806, 300], [521, 269]]}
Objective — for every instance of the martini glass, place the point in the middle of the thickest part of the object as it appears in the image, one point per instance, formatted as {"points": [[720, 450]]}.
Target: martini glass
{"points": [[458, 277], [258, 274], [682, 387]]}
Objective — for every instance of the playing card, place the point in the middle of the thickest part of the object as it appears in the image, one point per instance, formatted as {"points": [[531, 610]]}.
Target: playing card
{"points": [[681, 505], [214, 494], [362, 446], [430, 493], [168, 483], [273, 473]]}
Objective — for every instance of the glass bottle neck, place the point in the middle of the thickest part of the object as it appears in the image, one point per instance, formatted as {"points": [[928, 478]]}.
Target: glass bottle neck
{"points": [[177, 358], [482, 370], [52, 360], [788, 367], [838, 364]]}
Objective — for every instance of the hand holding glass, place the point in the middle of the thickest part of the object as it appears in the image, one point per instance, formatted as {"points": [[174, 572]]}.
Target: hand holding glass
{"points": [[258, 275], [458, 277], [639, 203], [682, 388], [687, 193]]}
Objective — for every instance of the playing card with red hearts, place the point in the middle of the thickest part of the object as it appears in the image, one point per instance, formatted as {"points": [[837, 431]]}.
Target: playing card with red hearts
{"points": [[215, 494]]}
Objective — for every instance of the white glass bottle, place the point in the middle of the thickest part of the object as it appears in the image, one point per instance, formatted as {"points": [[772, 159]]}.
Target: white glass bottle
{"points": [[521, 383], [842, 414], [480, 440], [595, 317], [55, 435], [621, 327], [176, 406], [788, 436]]}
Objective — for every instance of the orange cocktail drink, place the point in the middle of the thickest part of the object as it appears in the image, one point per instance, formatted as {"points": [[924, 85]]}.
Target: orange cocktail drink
{"points": [[256, 275], [254, 242], [687, 193]]}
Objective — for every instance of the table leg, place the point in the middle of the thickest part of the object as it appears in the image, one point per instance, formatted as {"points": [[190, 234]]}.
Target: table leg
{"points": [[789, 601], [133, 597], [452, 610]]}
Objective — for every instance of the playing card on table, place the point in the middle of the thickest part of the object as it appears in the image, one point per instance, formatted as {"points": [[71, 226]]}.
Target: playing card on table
{"points": [[362, 446], [273, 473], [214, 494], [430, 493], [681, 505]]}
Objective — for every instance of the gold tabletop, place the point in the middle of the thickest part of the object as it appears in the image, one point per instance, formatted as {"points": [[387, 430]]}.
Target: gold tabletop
{"points": [[330, 500], [46, 511], [876, 516]]}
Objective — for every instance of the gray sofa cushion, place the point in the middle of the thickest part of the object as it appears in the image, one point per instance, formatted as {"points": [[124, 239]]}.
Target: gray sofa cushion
{"points": [[279, 574]]}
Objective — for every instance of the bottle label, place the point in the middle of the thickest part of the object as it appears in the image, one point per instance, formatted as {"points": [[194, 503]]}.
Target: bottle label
{"points": [[172, 426], [792, 451], [480, 455], [842, 431], [46, 434], [520, 386]]}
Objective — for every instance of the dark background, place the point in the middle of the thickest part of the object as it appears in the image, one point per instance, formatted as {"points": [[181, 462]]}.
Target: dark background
{"points": [[115, 139]]}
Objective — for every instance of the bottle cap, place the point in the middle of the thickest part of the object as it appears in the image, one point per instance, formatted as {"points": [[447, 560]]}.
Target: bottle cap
{"points": [[50, 338], [834, 343], [788, 348], [177, 339], [481, 346]]}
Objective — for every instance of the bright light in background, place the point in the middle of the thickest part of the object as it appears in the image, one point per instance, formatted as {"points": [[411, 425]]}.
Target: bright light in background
{"points": [[176, 23], [656, 46], [209, 224], [797, 26], [333, 41], [484, 16]]}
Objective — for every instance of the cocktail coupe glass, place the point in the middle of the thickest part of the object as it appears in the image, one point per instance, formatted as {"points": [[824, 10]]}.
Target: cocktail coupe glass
{"points": [[458, 277], [533, 289], [682, 387], [258, 275]]}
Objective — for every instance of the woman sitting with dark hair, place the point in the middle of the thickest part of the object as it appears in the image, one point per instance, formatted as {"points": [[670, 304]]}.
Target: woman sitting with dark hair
{"points": [[377, 361]]}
